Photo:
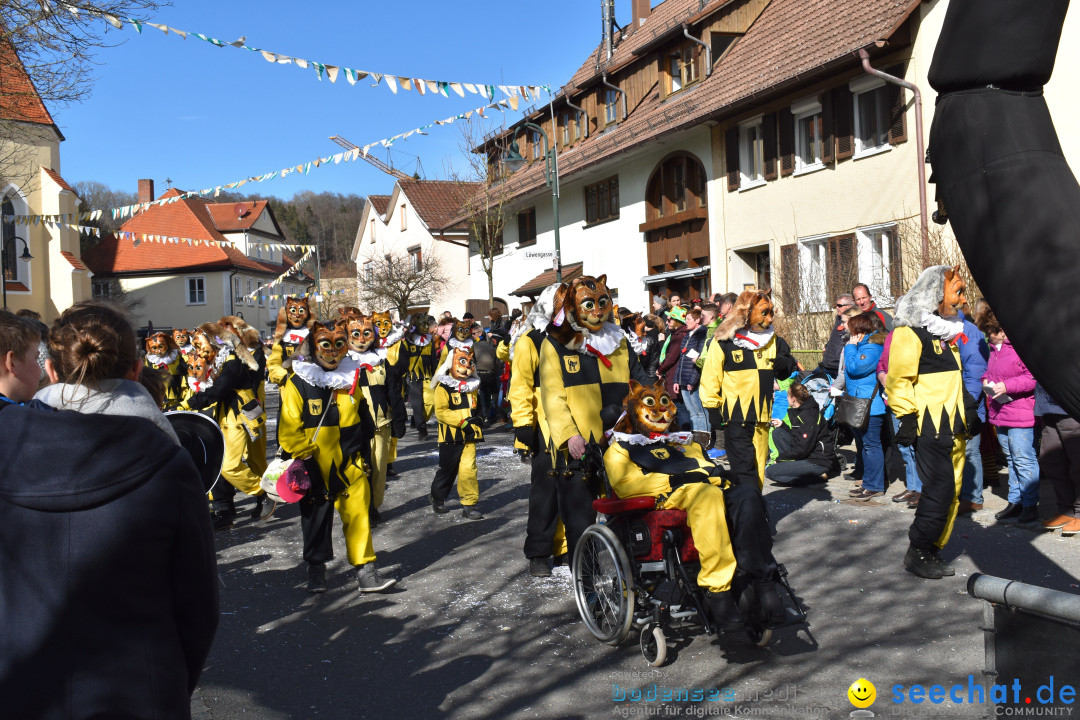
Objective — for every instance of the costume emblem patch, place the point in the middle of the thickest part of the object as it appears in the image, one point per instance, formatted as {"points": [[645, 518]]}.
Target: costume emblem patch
{"points": [[661, 453], [736, 356], [455, 398], [938, 344], [315, 406], [572, 364]]}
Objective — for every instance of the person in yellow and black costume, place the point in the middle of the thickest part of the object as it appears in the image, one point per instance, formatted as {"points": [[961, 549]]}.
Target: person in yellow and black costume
{"points": [[925, 388], [291, 329], [736, 386], [391, 350], [647, 459], [374, 382], [419, 347], [456, 385], [325, 422], [233, 392], [163, 356], [585, 365]]}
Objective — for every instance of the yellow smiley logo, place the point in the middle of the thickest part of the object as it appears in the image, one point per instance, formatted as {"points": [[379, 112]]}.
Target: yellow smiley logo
{"points": [[862, 693]]}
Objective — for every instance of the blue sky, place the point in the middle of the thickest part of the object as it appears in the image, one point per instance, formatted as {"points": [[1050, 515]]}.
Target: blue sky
{"points": [[164, 107]]}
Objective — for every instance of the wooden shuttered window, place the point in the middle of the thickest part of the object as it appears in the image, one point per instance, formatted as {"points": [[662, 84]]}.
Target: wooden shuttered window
{"points": [[828, 129], [897, 121], [896, 267], [769, 126], [840, 272], [731, 145], [844, 112], [787, 142], [789, 278]]}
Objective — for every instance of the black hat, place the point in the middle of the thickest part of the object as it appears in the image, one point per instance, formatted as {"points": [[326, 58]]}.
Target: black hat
{"points": [[202, 438], [467, 316]]}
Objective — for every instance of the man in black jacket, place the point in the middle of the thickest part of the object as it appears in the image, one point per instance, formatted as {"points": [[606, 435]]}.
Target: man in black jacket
{"points": [[830, 357]]}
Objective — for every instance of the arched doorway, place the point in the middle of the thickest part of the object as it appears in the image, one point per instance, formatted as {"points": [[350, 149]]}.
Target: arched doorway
{"points": [[676, 228]]}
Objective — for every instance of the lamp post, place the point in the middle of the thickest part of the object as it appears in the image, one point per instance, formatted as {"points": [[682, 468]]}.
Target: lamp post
{"points": [[514, 161], [3, 264]]}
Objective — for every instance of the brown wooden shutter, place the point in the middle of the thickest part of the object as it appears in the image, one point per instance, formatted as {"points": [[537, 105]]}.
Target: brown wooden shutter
{"points": [[789, 278], [828, 128], [841, 270], [843, 107], [896, 267], [732, 145], [787, 142], [897, 120], [770, 146]]}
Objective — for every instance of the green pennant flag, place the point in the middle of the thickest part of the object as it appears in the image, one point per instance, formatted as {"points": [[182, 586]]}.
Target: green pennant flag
{"points": [[442, 88], [137, 24], [319, 68]]}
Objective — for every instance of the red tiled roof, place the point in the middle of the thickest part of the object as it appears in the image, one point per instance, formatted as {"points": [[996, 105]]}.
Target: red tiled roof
{"points": [[787, 42], [59, 180], [74, 261], [226, 218], [19, 99], [380, 202], [541, 281], [437, 202]]}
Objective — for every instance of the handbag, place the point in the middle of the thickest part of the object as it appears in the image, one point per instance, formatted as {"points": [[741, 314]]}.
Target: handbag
{"points": [[854, 412], [292, 469]]}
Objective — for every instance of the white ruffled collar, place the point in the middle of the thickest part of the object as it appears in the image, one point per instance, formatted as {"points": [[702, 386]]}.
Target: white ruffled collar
{"points": [[455, 343], [188, 349], [944, 328], [295, 336], [368, 357], [420, 340], [340, 378], [456, 385], [222, 355], [675, 438], [397, 331], [162, 360], [604, 342], [199, 385], [751, 340]]}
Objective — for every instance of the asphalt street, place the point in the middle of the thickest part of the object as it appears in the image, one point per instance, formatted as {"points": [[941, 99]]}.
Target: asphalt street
{"points": [[467, 633]]}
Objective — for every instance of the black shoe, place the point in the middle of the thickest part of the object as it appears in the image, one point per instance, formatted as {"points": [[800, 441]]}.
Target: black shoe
{"points": [[264, 508], [723, 610], [771, 604], [316, 578], [1029, 514], [563, 559], [922, 563], [538, 567], [422, 431], [945, 568], [469, 512], [1011, 510], [368, 579], [437, 505], [390, 471], [222, 520], [374, 518]]}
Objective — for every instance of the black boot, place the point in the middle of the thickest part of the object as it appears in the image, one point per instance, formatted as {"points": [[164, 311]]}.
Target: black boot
{"points": [[222, 513], [723, 610], [1029, 514], [1011, 510], [945, 568], [538, 567], [922, 563], [390, 471], [316, 578], [438, 505], [264, 508], [374, 518], [772, 607]]}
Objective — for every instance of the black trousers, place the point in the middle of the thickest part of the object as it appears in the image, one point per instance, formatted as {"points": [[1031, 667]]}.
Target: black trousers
{"points": [[748, 525], [543, 507], [446, 475], [741, 456], [316, 525], [939, 460], [1059, 461], [416, 404], [574, 502]]}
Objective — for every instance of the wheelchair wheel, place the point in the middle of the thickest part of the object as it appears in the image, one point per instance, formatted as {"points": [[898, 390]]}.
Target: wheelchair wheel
{"points": [[603, 585], [653, 645]]}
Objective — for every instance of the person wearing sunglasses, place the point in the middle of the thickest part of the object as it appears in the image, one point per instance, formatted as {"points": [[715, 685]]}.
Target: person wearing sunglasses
{"points": [[830, 357]]}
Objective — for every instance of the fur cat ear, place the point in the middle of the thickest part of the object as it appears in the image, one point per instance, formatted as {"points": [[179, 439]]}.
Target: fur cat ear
{"points": [[634, 386], [602, 279], [767, 293]]}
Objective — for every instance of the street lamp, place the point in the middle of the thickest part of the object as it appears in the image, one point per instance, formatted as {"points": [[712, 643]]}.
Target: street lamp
{"points": [[513, 161], [3, 264]]}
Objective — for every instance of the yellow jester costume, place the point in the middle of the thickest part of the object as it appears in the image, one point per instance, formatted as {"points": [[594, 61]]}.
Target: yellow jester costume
{"points": [[419, 347], [459, 431]]}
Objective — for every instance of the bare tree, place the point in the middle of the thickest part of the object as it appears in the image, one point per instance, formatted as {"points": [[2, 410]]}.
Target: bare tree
{"points": [[94, 195], [400, 281]]}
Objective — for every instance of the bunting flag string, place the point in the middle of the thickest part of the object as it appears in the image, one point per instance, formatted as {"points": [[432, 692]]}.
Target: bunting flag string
{"points": [[332, 72], [325, 293], [306, 167], [285, 275]]}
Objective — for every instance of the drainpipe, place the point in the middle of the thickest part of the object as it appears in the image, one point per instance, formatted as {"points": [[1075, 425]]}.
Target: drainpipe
{"points": [[708, 50], [582, 112], [920, 149], [232, 295], [616, 88]]}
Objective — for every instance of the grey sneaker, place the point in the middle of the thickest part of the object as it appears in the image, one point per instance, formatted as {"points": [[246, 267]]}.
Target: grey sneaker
{"points": [[264, 508], [369, 580], [469, 512]]}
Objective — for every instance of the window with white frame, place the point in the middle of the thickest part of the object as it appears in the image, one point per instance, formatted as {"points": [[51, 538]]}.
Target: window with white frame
{"points": [[813, 258], [875, 261], [536, 144], [260, 289], [99, 288], [273, 299], [238, 291], [196, 290], [871, 99], [752, 153], [369, 272], [372, 230], [250, 292], [611, 101], [16, 270], [415, 262], [808, 135]]}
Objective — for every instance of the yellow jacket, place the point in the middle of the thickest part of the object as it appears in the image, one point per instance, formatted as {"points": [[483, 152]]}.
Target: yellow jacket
{"points": [[739, 381], [337, 449], [526, 408], [454, 408], [646, 470], [174, 373], [370, 380], [283, 350], [421, 353], [925, 378]]}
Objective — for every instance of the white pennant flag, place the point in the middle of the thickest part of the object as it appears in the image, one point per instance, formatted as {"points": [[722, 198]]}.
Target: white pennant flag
{"points": [[391, 82]]}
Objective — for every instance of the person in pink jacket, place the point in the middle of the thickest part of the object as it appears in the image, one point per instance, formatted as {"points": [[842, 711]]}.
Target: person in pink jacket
{"points": [[1010, 391]]}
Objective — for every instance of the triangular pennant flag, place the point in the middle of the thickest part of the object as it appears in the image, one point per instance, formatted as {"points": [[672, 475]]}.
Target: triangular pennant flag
{"points": [[490, 91], [378, 79], [319, 67], [332, 72], [406, 83], [182, 33], [137, 24], [268, 56], [350, 75], [113, 20], [432, 85], [524, 92], [442, 89], [421, 87], [239, 42], [284, 59], [391, 82], [456, 87], [506, 90], [301, 62], [471, 88], [514, 99]]}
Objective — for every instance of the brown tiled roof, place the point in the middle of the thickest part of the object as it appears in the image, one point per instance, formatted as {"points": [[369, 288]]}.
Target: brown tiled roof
{"points": [[187, 218], [787, 42], [74, 261], [19, 99], [438, 202], [541, 281], [380, 203], [226, 218], [58, 180]]}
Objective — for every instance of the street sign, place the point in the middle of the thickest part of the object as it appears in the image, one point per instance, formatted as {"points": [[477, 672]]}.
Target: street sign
{"points": [[540, 254]]}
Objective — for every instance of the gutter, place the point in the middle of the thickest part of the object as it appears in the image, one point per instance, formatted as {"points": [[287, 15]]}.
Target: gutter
{"points": [[616, 88], [569, 104], [708, 50], [920, 149]]}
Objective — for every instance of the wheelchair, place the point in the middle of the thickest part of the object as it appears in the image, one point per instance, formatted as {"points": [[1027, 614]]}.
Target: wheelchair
{"points": [[637, 568]]}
